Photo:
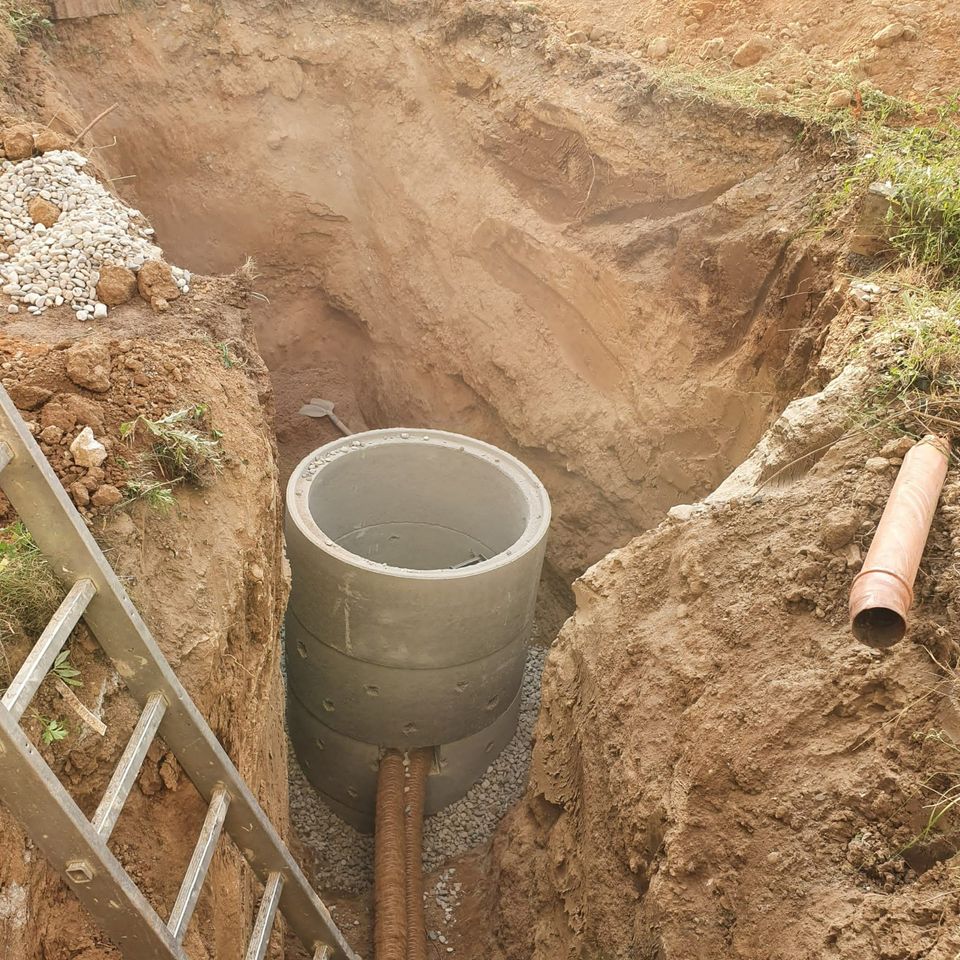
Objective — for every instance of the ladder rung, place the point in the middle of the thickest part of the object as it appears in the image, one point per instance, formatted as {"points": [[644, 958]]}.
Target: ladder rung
{"points": [[260, 939], [199, 864], [45, 650], [6, 454], [323, 952], [105, 819]]}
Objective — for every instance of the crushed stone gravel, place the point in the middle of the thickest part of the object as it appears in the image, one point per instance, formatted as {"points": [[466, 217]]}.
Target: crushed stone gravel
{"points": [[344, 857], [46, 266]]}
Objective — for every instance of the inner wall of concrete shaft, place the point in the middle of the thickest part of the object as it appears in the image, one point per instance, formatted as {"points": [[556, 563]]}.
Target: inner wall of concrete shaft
{"points": [[416, 557]]}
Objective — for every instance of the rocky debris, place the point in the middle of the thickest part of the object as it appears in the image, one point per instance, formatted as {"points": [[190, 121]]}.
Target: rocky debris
{"points": [[47, 140], [88, 365], [87, 450], [577, 36], [80, 494], [751, 52], [57, 263], [446, 895], [18, 142], [157, 283], [899, 447], [117, 284], [839, 99], [712, 49], [839, 527], [659, 48], [43, 211], [877, 464], [891, 33], [344, 857], [106, 495], [28, 397]]}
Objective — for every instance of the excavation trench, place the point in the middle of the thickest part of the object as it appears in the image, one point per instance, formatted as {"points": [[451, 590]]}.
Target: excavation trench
{"points": [[450, 235]]}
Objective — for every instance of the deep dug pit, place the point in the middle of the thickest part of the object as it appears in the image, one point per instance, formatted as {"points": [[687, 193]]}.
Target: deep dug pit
{"points": [[603, 282], [459, 223]]}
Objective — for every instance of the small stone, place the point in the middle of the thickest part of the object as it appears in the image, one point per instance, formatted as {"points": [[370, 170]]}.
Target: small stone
{"points": [[88, 365], [577, 36], [659, 48], [117, 285], [50, 140], [839, 527], [516, 27], [80, 494], [877, 464], [682, 511], [52, 435], [28, 397], [712, 49], [898, 447], [87, 450], [751, 52], [839, 99], [888, 36], [43, 211], [106, 496], [155, 281], [18, 142], [99, 311]]}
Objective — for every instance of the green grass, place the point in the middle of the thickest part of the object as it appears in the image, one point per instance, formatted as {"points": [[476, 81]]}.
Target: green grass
{"points": [[156, 494], [26, 24], [29, 591], [915, 343], [183, 446]]}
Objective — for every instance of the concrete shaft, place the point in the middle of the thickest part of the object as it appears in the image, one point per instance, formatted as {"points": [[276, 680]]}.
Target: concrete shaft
{"points": [[416, 556]]}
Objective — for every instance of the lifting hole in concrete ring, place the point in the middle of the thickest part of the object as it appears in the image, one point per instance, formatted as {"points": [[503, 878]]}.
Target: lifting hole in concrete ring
{"points": [[488, 747], [351, 792], [301, 649], [372, 690], [328, 706], [320, 744], [409, 728], [462, 685], [492, 703]]}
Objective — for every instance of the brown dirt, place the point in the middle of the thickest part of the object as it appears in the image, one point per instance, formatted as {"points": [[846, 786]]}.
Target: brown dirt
{"points": [[810, 46], [463, 220], [220, 634]]}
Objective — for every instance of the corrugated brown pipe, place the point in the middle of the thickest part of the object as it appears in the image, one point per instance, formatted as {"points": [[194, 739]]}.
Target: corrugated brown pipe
{"points": [[389, 883], [419, 768], [882, 591]]}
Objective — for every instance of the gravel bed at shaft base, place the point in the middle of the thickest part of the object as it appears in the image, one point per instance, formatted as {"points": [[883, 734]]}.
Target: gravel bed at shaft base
{"points": [[344, 857]]}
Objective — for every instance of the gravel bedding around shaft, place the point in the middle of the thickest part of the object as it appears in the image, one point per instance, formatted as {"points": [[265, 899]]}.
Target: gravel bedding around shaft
{"points": [[344, 857], [60, 264]]}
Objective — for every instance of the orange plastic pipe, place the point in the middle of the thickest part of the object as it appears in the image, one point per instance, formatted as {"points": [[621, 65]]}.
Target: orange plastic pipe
{"points": [[389, 880], [882, 591]]}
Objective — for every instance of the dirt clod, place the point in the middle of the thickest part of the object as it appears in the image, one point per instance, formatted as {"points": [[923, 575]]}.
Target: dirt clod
{"points": [[751, 52], [117, 284], [88, 365], [43, 211], [155, 282], [839, 527], [50, 140], [18, 142], [28, 397], [106, 495]]}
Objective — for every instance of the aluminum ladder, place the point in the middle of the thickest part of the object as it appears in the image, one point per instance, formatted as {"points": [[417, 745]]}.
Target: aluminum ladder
{"points": [[76, 846]]}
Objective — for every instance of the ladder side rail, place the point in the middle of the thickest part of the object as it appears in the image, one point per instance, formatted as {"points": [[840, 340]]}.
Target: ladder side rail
{"points": [[59, 532], [58, 826]]}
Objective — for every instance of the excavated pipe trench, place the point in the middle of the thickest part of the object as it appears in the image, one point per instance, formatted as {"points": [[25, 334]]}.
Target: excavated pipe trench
{"points": [[452, 233]]}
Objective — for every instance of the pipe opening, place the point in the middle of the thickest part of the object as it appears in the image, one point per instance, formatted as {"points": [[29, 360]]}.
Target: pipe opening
{"points": [[879, 627], [419, 506]]}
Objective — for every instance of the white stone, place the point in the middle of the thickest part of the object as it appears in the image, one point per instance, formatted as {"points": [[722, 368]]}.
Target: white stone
{"points": [[87, 450]]}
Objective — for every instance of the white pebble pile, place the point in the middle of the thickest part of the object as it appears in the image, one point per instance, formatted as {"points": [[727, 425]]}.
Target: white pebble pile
{"points": [[344, 857], [60, 264]]}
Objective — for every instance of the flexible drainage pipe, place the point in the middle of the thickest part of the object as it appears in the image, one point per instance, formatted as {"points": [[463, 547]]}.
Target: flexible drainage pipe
{"points": [[389, 881], [882, 592], [417, 771]]}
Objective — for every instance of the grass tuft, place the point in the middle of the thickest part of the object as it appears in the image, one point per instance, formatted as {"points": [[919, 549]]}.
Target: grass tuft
{"points": [[183, 446], [29, 591]]}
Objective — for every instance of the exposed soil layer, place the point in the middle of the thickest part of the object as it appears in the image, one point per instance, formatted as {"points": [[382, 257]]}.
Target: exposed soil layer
{"points": [[720, 769], [451, 233], [197, 575]]}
